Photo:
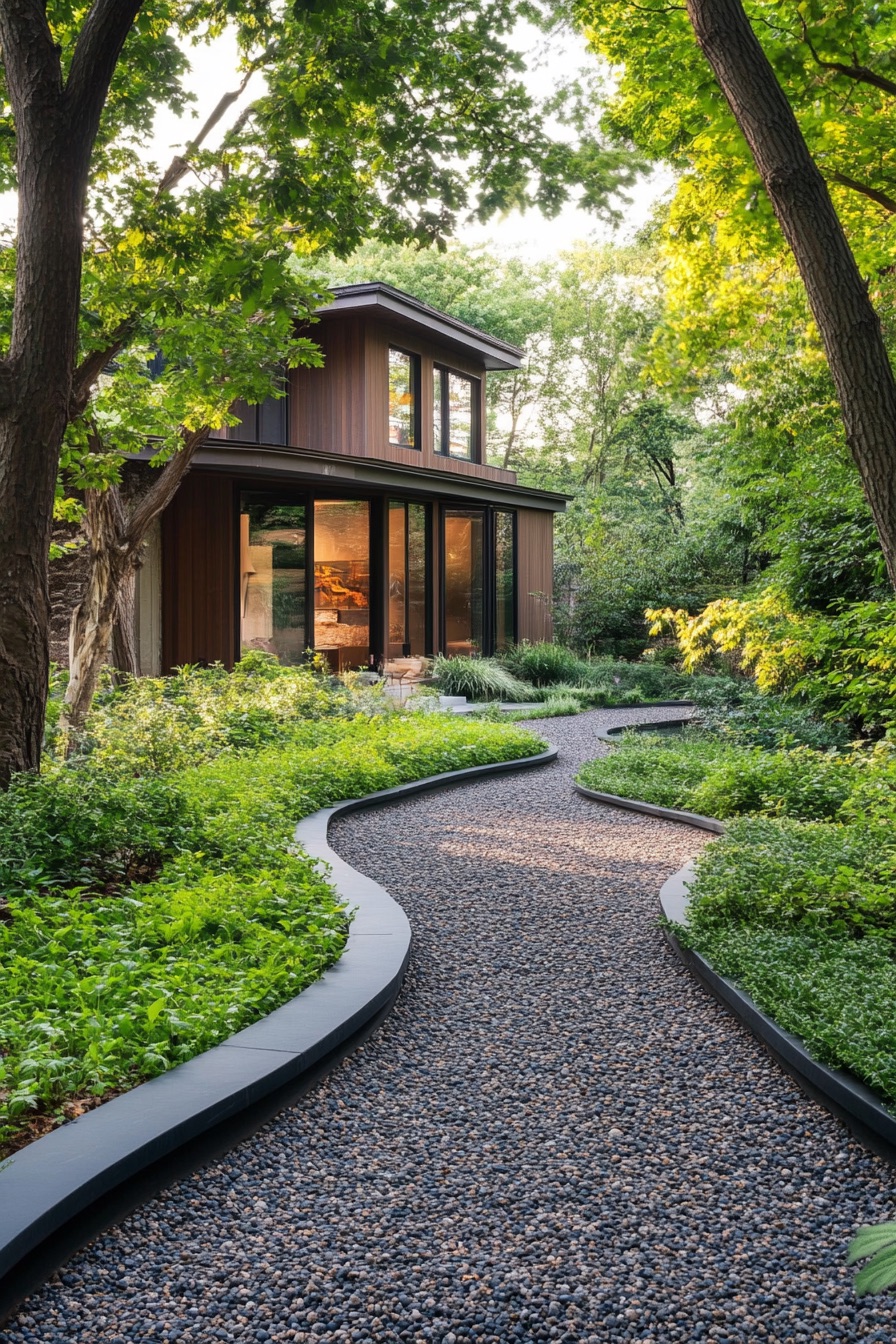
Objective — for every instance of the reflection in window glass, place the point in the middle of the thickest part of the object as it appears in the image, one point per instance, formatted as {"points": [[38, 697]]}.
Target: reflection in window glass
{"points": [[453, 413], [505, 632], [398, 580], [402, 411], [418, 579], [407, 580], [342, 582], [463, 581], [437, 408], [460, 416], [272, 577]]}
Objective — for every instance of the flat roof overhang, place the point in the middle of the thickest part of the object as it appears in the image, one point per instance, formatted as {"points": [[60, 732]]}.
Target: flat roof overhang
{"points": [[306, 466], [404, 310]]}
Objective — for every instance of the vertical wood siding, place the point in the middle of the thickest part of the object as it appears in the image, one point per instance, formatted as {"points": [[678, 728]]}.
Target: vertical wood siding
{"points": [[535, 569], [199, 573], [344, 407], [327, 406]]}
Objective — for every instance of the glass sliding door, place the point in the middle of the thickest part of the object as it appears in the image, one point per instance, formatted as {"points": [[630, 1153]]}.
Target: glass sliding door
{"points": [[462, 564], [398, 580], [505, 580], [408, 579], [272, 576], [342, 582], [419, 589]]}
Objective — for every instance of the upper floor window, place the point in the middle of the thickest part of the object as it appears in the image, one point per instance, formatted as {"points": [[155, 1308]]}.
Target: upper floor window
{"points": [[266, 422], [403, 381], [454, 412]]}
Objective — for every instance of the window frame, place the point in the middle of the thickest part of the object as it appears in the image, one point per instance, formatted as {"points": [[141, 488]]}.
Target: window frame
{"points": [[416, 417], [442, 441]]}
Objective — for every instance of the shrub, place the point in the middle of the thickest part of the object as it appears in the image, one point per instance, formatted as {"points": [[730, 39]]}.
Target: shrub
{"points": [[544, 664], [734, 708], [159, 724], [644, 681], [478, 679], [842, 663]]}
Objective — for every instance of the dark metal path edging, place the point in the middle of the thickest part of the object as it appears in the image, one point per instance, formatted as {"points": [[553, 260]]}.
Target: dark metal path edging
{"points": [[56, 1193], [860, 1109]]}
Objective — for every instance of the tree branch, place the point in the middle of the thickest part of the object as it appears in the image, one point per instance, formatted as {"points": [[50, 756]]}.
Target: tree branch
{"points": [[161, 493], [880, 197], [180, 164], [92, 365], [862, 74], [93, 65]]}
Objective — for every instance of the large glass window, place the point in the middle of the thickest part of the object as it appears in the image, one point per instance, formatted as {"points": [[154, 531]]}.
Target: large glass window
{"points": [[462, 563], [454, 402], [272, 576], [505, 580], [342, 582], [407, 579], [402, 399]]}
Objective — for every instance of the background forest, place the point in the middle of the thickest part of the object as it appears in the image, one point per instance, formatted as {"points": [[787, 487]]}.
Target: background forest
{"points": [[697, 433]]}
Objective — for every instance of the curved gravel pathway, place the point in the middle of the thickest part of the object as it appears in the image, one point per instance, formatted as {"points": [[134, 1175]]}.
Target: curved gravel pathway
{"points": [[556, 1135]]}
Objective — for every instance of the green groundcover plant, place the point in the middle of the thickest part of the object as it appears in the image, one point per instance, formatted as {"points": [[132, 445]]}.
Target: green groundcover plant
{"points": [[151, 896], [701, 773], [796, 902]]}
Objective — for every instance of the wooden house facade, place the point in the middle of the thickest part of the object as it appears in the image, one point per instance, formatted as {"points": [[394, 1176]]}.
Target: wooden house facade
{"points": [[356, 515]]}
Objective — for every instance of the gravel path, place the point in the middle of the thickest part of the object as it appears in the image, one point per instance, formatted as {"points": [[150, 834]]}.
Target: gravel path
{"points": [[555, 1136]]}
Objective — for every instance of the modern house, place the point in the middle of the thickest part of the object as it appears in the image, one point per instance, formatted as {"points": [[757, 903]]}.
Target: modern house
{"points": [[357, 514]]}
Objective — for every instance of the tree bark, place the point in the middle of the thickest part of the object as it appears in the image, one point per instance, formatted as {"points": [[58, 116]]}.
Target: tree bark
{"points": [[93, 618], [56, 126], [849, 326], [125, 653], [106, 610]]}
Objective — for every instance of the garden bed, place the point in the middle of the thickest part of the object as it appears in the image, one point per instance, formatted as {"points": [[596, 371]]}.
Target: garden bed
{"points": [[796, 902], [154, 900]]}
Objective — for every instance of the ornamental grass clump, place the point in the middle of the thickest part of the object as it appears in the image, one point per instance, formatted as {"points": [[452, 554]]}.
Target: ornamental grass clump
{"points": [[544, 664], [147, 913], [479, 679]]}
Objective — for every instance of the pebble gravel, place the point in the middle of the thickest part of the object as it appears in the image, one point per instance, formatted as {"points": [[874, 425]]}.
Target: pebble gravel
{"points": [[556, 1135]]}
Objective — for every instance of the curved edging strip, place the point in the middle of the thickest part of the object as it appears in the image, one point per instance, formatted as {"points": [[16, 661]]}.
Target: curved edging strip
{"points": [[842, 1093], [47, 1185], [839, 1091], [652, 810]]}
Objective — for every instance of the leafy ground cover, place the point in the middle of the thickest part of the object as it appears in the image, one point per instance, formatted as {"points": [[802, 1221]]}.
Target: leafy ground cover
{"points": [[152, 899], [796, 902]]}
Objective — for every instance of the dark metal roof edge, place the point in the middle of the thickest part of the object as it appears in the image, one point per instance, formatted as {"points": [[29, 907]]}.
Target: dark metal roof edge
{"points": [[552, 499], [376, 293]]}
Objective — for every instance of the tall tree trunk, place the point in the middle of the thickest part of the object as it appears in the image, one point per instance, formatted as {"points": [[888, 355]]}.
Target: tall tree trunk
{"points": [[55, 126], [849, 326], [33, 421]]}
